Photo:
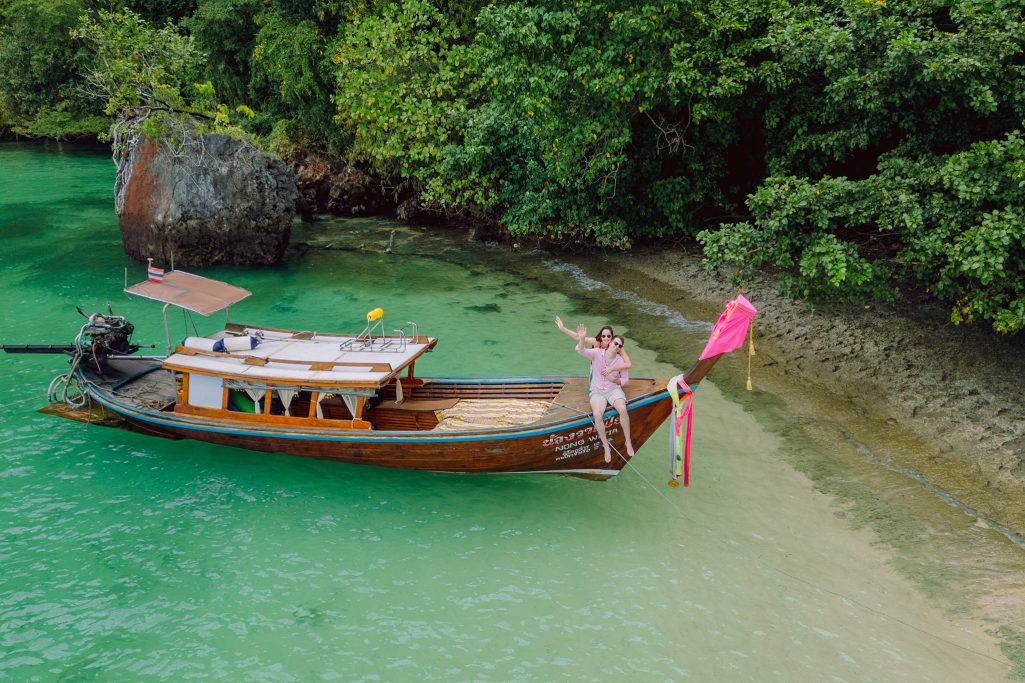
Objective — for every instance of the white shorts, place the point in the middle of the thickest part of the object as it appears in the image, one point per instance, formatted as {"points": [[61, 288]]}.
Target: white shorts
{"points": [[611, 395]]}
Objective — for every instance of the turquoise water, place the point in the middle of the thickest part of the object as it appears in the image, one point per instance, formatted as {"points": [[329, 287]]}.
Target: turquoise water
{"points": [[127, 557]]}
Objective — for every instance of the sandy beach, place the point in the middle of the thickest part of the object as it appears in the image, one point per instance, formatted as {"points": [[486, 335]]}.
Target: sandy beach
{"points": [[909, 372]]}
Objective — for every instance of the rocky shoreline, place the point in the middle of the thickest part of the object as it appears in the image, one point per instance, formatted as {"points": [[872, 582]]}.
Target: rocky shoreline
{"points": [[905, 369]]}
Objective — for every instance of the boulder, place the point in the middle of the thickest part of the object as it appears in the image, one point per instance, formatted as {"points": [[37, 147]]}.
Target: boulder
{"points": [[326, 186], [409, 211], [210, 200]]}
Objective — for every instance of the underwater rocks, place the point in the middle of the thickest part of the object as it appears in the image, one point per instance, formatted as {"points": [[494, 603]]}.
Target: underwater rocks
{"points": [[208, 199]]}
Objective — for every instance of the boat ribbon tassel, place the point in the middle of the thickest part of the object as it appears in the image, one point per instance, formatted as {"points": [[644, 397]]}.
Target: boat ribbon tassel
{"points": [[679, 451], [728, 334]]}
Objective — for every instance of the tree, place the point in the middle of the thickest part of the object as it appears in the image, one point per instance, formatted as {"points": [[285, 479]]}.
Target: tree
{"points": [[141, 74], [294, 76], [38, 73], [917, 107], [405, 79]]}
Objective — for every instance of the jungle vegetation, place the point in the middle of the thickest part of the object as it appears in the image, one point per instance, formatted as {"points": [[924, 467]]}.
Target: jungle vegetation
{"points": [[856, 148]]}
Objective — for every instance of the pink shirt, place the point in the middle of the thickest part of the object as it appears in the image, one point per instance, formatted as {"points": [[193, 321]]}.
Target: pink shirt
{"points": [[598, 381]]}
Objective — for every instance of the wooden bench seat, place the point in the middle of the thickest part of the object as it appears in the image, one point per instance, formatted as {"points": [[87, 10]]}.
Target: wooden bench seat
{"points": [[414, 405], [408, 415]]}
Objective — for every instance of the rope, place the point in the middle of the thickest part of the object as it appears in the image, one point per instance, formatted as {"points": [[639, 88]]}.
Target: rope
{"points": [[636, 471], [755, 559], [573, 408], [186, 319], [30, 398]]}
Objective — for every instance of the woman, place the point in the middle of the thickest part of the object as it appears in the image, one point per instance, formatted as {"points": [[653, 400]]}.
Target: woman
{"points": [[602, 341], [606, 387]]}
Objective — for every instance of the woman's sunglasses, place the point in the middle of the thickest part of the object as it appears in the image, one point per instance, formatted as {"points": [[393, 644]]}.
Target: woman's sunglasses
{"points": [[606, 336]]}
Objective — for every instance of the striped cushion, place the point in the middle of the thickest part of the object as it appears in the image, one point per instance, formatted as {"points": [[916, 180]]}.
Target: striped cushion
{"points": [[485, 413]]}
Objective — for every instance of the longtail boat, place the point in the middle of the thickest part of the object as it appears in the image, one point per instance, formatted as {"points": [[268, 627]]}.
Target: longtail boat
{"points": [[348, 397]]}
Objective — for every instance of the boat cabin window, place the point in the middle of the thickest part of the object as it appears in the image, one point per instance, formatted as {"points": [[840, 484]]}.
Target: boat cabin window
{"points": [[300, 405], [283, 402], [241, 402], [210, 392], [332, 407]]}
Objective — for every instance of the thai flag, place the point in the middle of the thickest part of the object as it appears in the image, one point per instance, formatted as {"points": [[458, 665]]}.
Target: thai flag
{"points": [[154, 274]]}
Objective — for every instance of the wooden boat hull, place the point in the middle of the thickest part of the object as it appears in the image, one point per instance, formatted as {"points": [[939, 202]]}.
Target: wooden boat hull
{"points": [[351, 398], [567, 444]]}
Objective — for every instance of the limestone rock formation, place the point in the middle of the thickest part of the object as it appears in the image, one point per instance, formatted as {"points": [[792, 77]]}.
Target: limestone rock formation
{"points": [[210, 199], [326, 186]]}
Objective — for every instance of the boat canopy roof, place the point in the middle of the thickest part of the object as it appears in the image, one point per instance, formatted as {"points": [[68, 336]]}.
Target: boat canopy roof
{"points": [[191, 292], [285, 357]]}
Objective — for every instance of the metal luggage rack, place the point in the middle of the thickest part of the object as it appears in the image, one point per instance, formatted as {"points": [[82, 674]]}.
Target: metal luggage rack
{"points": [[372, 338]]}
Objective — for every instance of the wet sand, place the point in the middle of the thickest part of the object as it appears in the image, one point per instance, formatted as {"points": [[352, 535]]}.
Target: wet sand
{"points": [[913, 427], [802, 543], [910, 374]]}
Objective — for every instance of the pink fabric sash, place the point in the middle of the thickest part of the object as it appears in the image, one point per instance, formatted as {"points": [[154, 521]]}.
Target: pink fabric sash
{"points": [[728, 333]]}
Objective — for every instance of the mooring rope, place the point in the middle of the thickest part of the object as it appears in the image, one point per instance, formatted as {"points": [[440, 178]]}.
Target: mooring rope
{"points": [[756, 559], [30, 398]]}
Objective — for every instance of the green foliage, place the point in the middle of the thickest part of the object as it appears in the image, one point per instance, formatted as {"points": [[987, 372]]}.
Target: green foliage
{"points": [[158, 11], [976, 224], [918, 100], [280, 141], [142, 74], [605, 122], [37, 70], [58, 124], [292, 75], [555, 116], [856, 147], [405, 78], [866, 76], [813, 234], [137, 67], [224, 31], [951, 225]]}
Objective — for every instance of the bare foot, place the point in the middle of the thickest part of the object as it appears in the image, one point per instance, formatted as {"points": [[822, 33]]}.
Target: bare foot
{"points": [[629, 451], [608, 455]]}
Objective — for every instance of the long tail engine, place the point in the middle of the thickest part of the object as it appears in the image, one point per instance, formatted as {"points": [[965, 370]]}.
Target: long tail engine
{"points": [[104, 335]]}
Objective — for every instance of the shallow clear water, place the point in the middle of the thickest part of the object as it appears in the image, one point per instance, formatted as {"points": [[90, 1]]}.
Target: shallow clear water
{"points": [[128, 557]]}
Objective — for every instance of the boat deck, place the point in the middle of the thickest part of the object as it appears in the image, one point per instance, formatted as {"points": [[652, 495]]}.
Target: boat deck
{"points": [[573, 398], [430, 403], [140, 382]]}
